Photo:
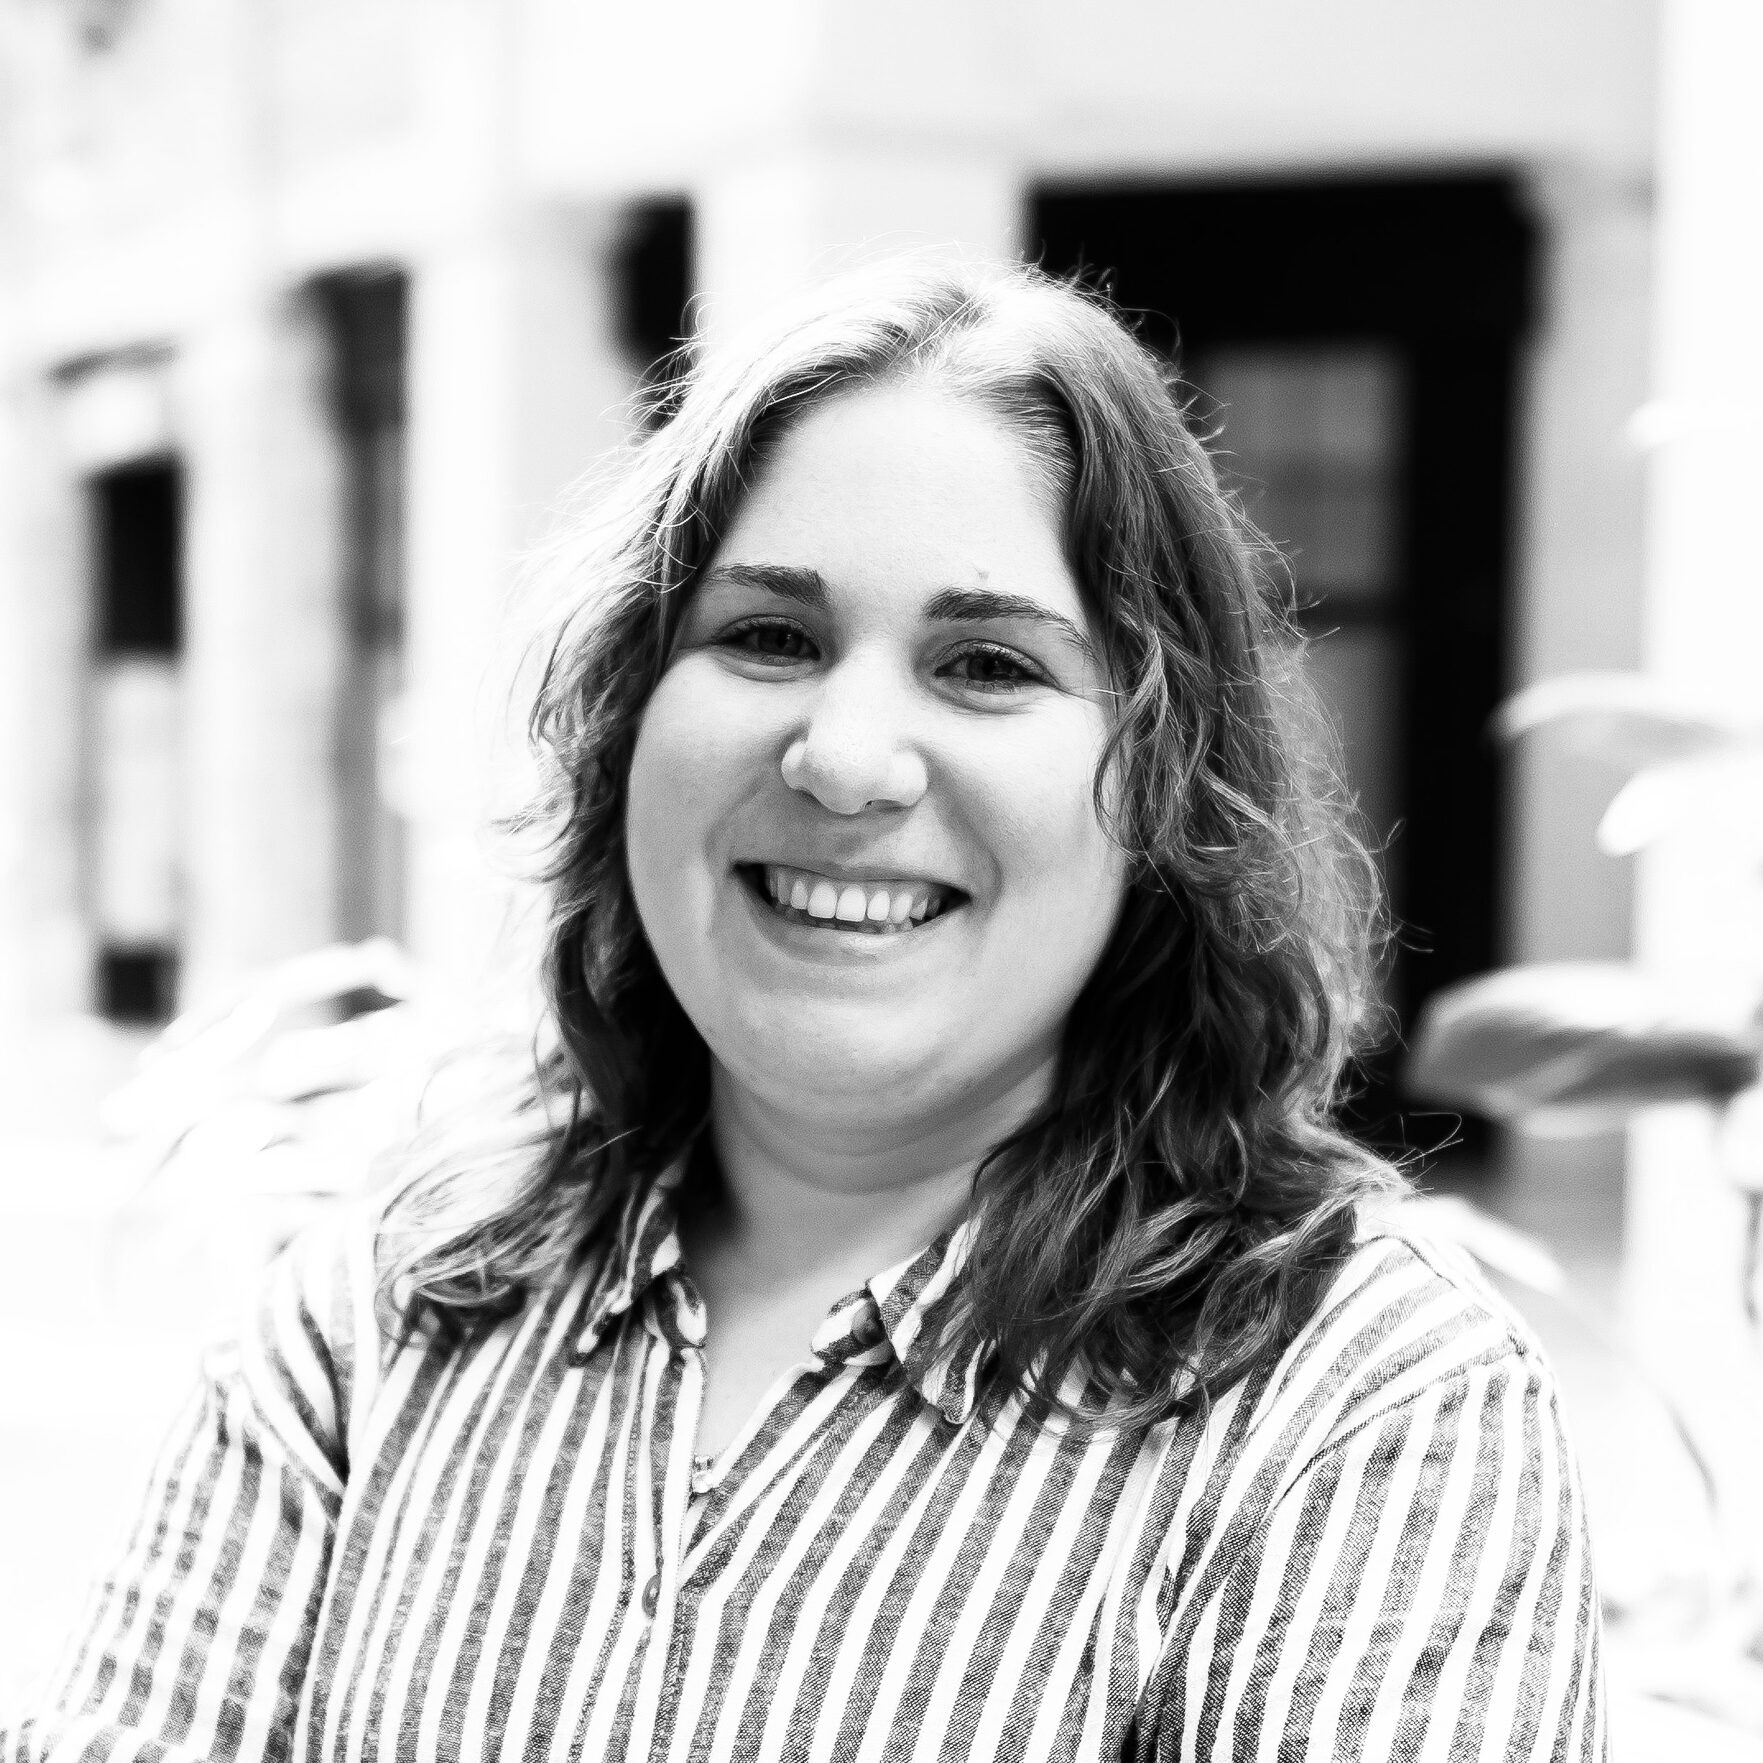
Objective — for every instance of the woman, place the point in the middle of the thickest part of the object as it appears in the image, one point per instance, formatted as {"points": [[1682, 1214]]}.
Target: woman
{"points": [[921, 1308]]}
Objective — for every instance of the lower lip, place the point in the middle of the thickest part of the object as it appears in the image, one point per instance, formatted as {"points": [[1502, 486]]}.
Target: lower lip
{"points": [[831, 942]]}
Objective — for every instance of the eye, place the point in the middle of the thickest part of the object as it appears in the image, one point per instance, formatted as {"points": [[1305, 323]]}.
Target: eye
{"points": [[989, 667], [772, 640]]}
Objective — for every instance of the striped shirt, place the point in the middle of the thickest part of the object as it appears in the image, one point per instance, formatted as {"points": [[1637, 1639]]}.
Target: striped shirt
{"points": [[371, 1553]]}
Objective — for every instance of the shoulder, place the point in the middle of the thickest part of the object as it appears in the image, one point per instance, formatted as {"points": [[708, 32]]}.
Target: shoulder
{"points": [[1387, 1514], [1410, 1363], [1408, 1323], [1405, 1312], [310, 1354]]}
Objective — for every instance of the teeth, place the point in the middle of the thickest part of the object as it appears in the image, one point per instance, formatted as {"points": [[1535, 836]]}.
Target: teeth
{"points": [[885, 908]]}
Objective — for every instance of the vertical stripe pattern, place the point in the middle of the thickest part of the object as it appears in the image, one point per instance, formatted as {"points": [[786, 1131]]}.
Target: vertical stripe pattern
{"points": [[354, 1552]]}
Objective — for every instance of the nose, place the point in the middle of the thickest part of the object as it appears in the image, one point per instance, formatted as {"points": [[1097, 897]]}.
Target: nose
{"points": [[855, 750]]}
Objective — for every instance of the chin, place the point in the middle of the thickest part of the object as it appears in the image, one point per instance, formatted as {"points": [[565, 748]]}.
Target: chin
{"points": [[805, 1059]]}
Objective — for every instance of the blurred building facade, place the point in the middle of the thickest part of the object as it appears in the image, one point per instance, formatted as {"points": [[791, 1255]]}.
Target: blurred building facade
{"points": [[311, 314], [314, 312]]}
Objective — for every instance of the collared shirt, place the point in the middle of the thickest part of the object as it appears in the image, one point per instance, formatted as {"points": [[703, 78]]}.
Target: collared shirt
{"points": [[358, 1551]]}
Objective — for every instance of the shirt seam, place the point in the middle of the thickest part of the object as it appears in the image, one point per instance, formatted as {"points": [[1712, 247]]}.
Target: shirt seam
{"points": [[1458, 1373]]}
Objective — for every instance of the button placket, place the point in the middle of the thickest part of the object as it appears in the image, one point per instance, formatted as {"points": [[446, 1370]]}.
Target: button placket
{"points": [[683, 1340]]}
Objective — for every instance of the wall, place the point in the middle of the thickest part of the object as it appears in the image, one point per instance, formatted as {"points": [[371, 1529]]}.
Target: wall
{"points": [[173, 185]]}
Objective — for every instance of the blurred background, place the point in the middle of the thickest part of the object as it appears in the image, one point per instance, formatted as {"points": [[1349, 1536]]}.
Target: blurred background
{"points": [[311, 314]]}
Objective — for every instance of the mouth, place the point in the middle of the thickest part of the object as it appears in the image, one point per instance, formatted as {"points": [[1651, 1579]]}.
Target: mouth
{"points": [[883, 907]]}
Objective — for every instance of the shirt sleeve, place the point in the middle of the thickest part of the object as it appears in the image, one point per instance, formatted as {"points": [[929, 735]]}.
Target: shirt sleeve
{"points": [[1423, 1588], [197, 1642]]}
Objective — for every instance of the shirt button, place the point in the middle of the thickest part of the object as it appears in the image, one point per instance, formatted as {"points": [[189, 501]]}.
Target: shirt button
{"points": [[652, 1595]]}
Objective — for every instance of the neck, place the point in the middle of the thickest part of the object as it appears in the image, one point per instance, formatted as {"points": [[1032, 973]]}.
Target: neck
{"points": [[804, 1191]]}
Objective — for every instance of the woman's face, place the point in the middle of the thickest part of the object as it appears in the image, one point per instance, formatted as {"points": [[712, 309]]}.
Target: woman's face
{"points": [[861, 826]]}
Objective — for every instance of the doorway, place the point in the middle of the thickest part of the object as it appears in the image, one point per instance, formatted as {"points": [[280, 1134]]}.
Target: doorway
{"points": [[134, 514], [1355, 346]]}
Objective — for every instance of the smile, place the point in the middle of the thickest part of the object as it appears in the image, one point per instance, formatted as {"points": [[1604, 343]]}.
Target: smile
{"points": [[881, 907]]}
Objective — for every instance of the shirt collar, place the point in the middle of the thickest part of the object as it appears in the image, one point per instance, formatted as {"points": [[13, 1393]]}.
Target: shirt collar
{"points": [[913, 1300], [645, 1244], [899, 1311]]}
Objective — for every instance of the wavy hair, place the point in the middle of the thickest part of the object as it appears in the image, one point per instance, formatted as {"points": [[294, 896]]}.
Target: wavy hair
{"points": [[1168, 1220]]}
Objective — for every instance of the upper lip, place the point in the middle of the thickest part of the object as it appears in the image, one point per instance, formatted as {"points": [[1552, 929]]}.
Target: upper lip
{"points": [[866, 874]]}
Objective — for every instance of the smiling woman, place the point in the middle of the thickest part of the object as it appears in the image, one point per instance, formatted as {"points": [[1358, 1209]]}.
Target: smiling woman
{"points": [[921, 1304]]}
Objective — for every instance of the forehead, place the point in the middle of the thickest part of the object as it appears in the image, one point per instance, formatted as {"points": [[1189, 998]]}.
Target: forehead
{"points": [[906, 488]]}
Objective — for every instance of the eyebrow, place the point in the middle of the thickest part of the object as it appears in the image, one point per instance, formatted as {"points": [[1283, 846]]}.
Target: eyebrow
{"points": [[976, 605], [807, 587]]}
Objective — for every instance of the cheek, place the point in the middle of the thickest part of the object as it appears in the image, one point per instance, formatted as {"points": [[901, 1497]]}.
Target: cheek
{"points": [[678, 784], [1059, 865]]}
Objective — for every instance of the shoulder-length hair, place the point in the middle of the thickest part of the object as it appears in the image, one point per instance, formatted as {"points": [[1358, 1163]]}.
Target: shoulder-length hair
{"points": [[1167, 1221]]}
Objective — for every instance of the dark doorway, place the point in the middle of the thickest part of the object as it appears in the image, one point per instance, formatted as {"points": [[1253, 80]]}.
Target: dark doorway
{"points": [[137, 527], [366, 316], [652, 287], [135, 517], [1357, 343]]}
